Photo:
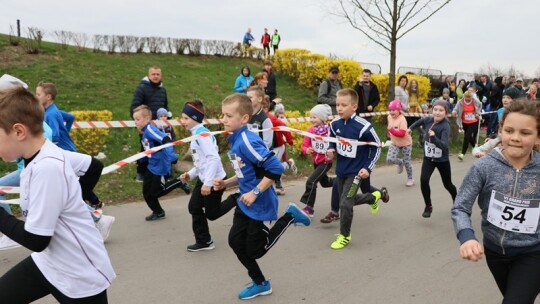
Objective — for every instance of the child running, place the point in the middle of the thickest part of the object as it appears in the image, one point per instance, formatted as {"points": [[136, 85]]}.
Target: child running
{"points": [[317, 149], [69, 259], [205, 202], [401, 141], [467, 113], [155, 182], [508, 97], [435, 152], [353, 163], [256, 169], [505, 182]]}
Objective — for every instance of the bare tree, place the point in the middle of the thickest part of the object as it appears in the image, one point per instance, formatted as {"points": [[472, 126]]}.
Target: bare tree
{"points": [[111, 41], [80, 40], [140, 43], [64, 37], [33, 43], [98, 42], [537, 73], [386, 21], [125, 43]]}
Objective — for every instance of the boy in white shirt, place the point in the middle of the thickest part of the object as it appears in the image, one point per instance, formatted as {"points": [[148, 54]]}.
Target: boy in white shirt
{"points": [[73, 265], [205, 202]]}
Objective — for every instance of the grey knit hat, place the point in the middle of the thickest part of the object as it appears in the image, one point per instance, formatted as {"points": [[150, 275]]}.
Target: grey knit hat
{"points": [[322, 111]]}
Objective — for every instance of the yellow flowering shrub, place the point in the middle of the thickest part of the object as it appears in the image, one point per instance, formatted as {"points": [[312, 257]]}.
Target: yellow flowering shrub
{"points": [[303, 126], [90, 141]]}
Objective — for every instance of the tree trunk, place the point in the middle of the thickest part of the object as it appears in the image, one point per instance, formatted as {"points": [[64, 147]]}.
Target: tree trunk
{"points": [[393, 51]]}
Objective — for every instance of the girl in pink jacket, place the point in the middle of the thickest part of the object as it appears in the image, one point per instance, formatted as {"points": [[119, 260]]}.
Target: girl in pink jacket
{"points": [[401, 141]]}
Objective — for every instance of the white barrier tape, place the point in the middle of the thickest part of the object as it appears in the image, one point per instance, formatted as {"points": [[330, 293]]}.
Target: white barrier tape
{"points": [[216, 121], [15, 201]]}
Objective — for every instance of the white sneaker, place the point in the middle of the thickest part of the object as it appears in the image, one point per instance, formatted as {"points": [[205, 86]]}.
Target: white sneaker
{"points": [[104, 226], [410, 183], [7, 243], [292, 165]]}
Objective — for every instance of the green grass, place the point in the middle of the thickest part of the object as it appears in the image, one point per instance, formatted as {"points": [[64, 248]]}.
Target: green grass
{"points": [[99, 81]]}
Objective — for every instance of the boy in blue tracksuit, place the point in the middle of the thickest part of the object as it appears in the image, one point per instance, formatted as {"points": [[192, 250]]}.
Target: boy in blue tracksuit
{"points": [[46, 93], [256, 168], [155, 182], [353, 162]]}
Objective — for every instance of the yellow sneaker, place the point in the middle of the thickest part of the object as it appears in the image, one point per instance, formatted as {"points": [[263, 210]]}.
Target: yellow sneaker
{"points": [[375, 206], [341, 241]]}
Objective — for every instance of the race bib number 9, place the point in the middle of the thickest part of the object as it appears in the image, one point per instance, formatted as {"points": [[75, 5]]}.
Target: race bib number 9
{"points": [[430, 150], [513, 214], [346, 150], [319, 146]]}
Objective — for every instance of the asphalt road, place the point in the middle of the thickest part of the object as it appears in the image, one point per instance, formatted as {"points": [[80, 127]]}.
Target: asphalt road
{"points": [[395, 256]]}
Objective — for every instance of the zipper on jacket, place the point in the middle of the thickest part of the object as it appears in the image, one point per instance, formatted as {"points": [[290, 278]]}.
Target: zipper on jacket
{"points": [[514, 190]]}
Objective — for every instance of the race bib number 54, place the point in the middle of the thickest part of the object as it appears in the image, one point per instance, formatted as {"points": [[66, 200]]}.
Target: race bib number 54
{"points": [[513, 214]]}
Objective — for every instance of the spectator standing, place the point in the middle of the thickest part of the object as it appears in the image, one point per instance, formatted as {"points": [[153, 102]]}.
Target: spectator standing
{"points": [[519, 85], [150, 92], [368, 94], [329, 88], [276, 39], [401, 94], [461, 89], [243, 80], [265, 41], [270, 89]]}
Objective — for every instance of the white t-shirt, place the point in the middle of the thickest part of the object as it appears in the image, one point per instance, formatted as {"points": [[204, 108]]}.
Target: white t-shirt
{"points": [[76, 261], [79, 162]]}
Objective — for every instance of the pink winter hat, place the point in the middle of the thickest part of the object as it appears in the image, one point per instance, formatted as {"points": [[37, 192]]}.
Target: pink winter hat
{"points": [[394, 105]]}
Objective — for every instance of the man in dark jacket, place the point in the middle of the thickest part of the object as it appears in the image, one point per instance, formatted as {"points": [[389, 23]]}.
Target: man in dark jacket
{"points": [[368, 94], [270, 89], [149, 92], [329, 88]]}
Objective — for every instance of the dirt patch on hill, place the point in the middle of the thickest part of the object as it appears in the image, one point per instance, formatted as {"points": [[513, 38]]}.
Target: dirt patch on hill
{"points": [[16, 56]]}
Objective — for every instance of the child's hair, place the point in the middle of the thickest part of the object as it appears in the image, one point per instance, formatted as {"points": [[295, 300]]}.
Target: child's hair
{"points": [[198, 104], [259, 76], [243, 102], [144, 109], [266, 102], [353, 96], [467, 94], [18, 105], [258, 91], [525, 107], [48, 88]]}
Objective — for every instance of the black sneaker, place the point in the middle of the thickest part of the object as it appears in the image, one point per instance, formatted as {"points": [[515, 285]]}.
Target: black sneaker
{"points": [[155, 216], [427, 211], [385, 197], [200, 247], [185, 187]]}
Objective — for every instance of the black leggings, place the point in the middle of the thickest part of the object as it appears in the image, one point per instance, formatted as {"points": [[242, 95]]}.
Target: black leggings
{"points": [[517, 277], [470, 130], [24, 283], [428, 167], [89, 180]]}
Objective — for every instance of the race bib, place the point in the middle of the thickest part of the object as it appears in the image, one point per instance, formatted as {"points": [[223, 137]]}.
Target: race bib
{"points": [[346, 150], [431, 151], [146, 146], [237, 164], [195, 157], [469, 116], [319, 146], [513, 214]]}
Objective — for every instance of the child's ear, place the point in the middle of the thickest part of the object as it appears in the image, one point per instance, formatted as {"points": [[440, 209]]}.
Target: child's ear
{"points": [[245, 118], [20, 131]]}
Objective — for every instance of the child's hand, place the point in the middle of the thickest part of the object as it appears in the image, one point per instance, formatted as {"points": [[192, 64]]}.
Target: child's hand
{"points": [[309, 150], [431, 133], [330, 154], [219, 184], [205, 190], [480, 154], [248, 198], [460, 131], [184, 177], [363, 173], [471, 250]]}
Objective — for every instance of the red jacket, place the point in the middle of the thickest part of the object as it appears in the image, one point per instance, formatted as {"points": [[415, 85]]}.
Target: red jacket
{"points": [[280, 137], [265, 39]]}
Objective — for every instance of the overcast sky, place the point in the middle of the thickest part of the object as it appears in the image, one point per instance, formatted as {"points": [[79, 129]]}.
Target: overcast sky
{"points": [[464, 36]]}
